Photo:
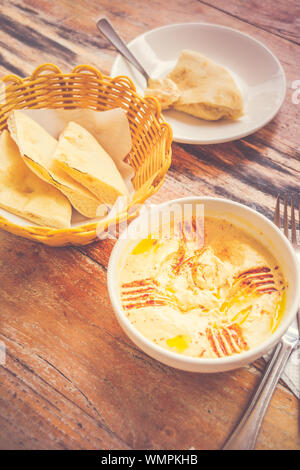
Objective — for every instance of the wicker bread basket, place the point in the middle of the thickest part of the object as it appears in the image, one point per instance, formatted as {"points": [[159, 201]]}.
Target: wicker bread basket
{"points": [[86, 87]]}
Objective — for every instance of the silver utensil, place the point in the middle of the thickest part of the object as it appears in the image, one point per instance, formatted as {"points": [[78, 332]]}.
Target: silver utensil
{"points": [[245, 434], [112, 36]]}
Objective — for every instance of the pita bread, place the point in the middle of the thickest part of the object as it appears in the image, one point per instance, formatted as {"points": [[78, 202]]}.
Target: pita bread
{"points": [[80, 155], [164, 89], [110, 128], [207, 90], [37, 147], [26, 195]]}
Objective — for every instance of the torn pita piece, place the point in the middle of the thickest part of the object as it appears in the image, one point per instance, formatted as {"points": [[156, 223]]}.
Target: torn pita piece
{"points": [[206, 89], [110, 128], [80, 155], [26, 195], [37, 148]]}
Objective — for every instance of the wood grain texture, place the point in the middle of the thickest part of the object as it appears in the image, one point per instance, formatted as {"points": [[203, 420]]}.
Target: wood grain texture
{"points": [[280, 18], [32, 33], [72, 379]]}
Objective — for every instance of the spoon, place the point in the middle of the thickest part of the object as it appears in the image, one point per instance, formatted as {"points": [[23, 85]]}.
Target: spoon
{"points": [[111, 35], [164, 89]]}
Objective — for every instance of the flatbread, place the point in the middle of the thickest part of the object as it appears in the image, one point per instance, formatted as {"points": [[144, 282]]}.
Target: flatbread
{"points": [[207, 90], [25, 194], [37, 147], [80, 155], [110, 128], [164, 89]]}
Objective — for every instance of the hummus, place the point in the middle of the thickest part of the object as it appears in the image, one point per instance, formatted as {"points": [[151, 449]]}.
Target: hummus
{"points": [[214, 300]]}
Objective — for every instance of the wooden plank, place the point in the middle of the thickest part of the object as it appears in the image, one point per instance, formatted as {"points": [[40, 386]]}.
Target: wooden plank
{"points": [[281, 21], [74, 380]]}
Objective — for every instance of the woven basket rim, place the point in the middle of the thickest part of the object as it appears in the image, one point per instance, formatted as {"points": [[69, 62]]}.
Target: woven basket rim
{"points": [[42, 233]]}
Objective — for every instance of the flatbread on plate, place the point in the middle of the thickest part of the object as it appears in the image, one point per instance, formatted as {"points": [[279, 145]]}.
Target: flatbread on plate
{"points": [[207, 90]]}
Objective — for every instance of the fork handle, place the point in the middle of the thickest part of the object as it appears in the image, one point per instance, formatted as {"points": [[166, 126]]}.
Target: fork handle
{"points": [[245, 434]]}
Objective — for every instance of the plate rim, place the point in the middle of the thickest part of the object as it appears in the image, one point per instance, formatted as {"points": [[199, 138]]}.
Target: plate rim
{"points": [[240, 135]]}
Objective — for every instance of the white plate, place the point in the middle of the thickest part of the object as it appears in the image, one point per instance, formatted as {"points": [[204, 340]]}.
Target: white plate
{"points": [[256, 70]]}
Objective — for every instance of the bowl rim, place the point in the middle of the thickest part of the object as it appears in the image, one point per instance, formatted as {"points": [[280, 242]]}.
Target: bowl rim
{"points": [[244, 357]]}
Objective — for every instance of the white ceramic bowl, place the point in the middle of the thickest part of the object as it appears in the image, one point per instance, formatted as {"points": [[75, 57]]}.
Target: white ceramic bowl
{"points": [[254, 224]]}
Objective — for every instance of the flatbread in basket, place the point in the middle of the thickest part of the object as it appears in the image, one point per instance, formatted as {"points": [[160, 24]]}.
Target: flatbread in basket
{"points": [[24, 194], [86, 89]]}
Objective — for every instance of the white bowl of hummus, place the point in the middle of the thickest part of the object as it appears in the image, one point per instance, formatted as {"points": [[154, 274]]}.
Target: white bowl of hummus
{"points": [[203, 284]]}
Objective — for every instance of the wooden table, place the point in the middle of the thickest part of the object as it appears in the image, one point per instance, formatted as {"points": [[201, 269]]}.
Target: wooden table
{"points": [[72, 379]]}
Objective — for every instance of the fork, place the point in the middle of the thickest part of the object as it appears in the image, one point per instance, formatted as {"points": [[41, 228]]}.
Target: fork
{"points": [[245, 434], [293, 231]]}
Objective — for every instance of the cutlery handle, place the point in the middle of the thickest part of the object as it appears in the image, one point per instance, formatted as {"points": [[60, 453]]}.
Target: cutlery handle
{"points": [[111, 35], [245, 434]]}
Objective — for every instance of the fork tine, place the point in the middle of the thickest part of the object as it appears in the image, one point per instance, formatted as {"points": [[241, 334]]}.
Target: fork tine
{"points": [[277, 212], [293, 220], [285, 215]]}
